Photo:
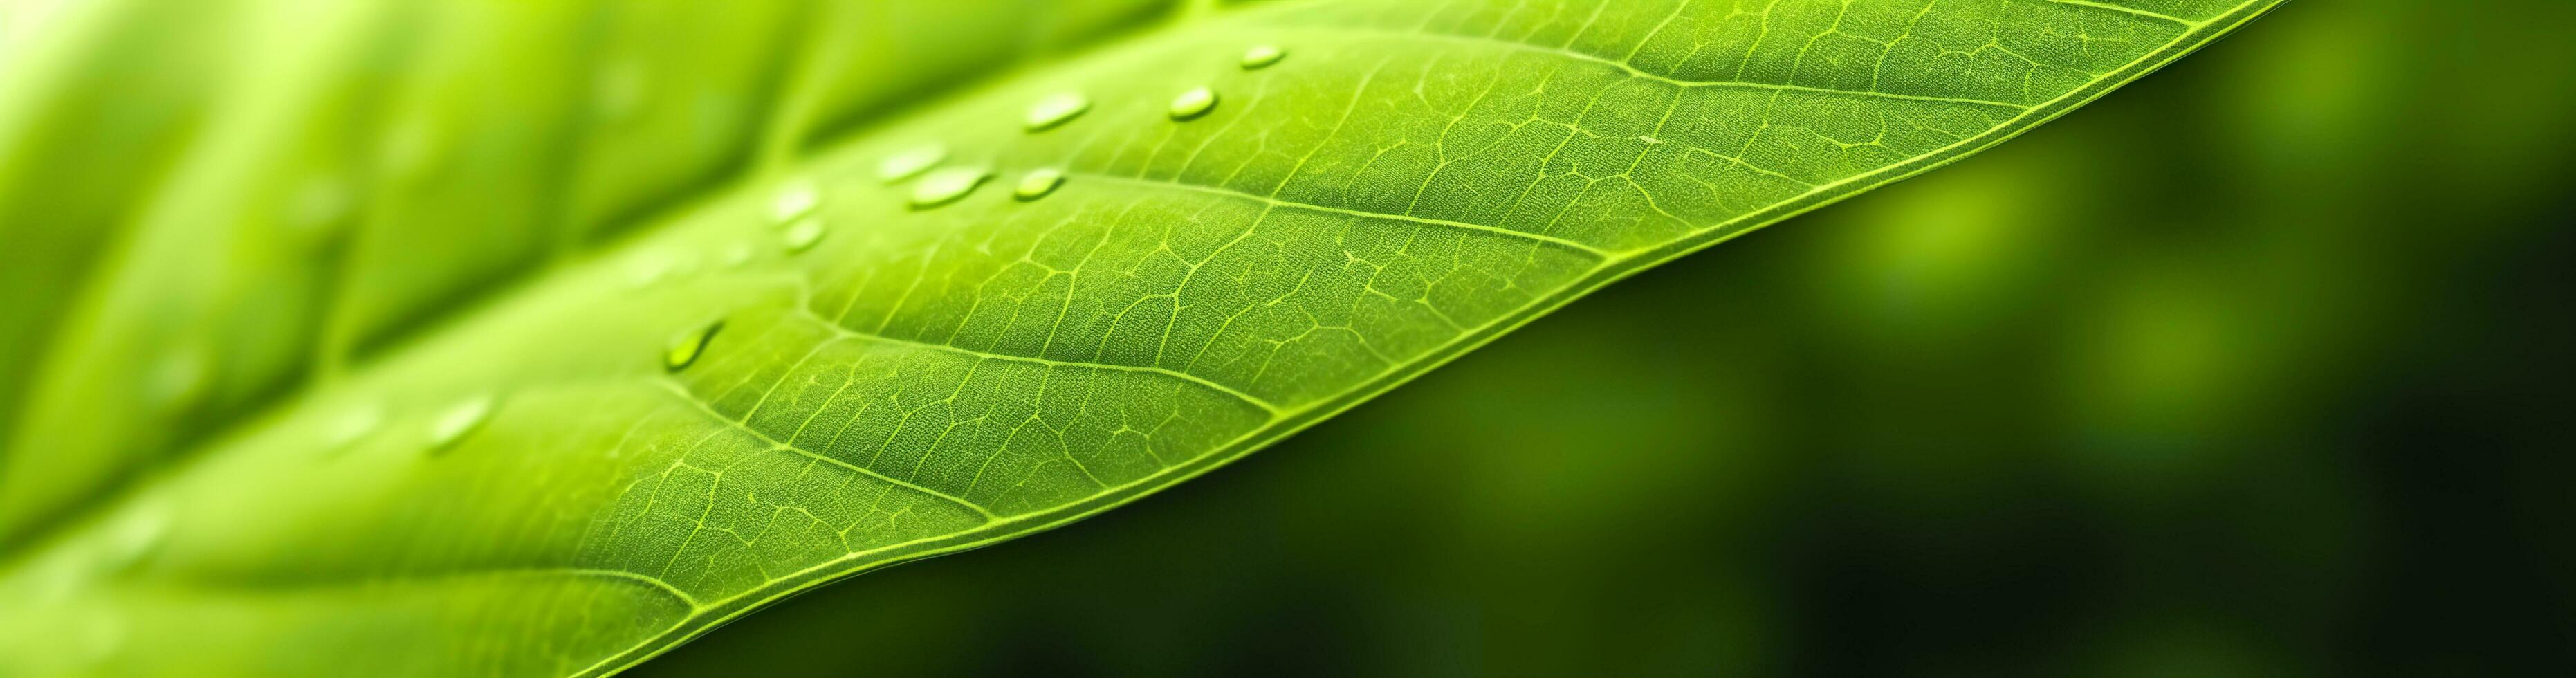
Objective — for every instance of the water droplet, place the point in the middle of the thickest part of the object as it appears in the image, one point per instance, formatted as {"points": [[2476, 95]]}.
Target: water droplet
{"points": [[452, 424], [1055, 110], [1261, 55], [798, 198], [685, 350], [1038, 183], [353, 426], [1193, 103], [910, 162], [802, 234], [645, 270], [947, 185]]}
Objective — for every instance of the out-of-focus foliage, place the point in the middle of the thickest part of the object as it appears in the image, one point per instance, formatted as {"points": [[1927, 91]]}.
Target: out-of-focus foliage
{"points": [[292, 185], [2286, 398], [483, 337]]}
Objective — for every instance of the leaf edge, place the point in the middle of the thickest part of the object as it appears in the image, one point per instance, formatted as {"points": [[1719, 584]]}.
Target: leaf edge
{"points": [[723, 612]]}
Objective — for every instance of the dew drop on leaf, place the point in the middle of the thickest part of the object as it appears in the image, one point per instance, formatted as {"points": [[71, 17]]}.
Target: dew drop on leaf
{"points": [[947, 185], [353, 426], [646, 270], [685, 350], [452, 424], [911, 162], [1261, 55], [802, 234], [1193, 103], [798, 198], [1038, 183], [1056, 109]]}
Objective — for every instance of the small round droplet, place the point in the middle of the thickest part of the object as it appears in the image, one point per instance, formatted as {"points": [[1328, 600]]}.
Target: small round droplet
{"points": [[802, 235], [1261, 55], [1038, 183], [947, 185], [353, 426], [798, 198], [1055, 110], [685, 350], [1193, 103], [453, 423], [911, 162], [646, 270]]}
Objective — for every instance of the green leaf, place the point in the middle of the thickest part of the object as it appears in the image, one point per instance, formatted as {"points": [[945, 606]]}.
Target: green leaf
{"points": [[591, 328], [322, 212]]}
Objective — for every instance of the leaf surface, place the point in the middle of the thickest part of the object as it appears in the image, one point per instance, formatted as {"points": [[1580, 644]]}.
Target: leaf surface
{"points": [[287, 210], [813, 368]]}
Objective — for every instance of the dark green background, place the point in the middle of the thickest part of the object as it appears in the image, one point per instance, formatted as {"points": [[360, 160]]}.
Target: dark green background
{"points": [[2258, 367]]}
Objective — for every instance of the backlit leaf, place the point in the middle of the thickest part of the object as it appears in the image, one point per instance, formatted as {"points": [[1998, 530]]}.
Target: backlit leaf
{"points": [[535, 339]]}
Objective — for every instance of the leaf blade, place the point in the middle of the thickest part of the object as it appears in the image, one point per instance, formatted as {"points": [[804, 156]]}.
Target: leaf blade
{"points": [[787, 359]]}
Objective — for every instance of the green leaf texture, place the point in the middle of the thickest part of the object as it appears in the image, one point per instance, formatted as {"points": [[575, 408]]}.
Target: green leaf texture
{"points": [[537, 338]]}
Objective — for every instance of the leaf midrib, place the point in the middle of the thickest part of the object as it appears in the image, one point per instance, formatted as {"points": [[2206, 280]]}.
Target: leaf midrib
{"points": [[1633, 71]]}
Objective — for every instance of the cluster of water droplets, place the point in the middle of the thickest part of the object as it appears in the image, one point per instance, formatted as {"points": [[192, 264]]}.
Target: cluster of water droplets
{"points": [[796, 211], [937, 185], [444, 428], [795, 208]]}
